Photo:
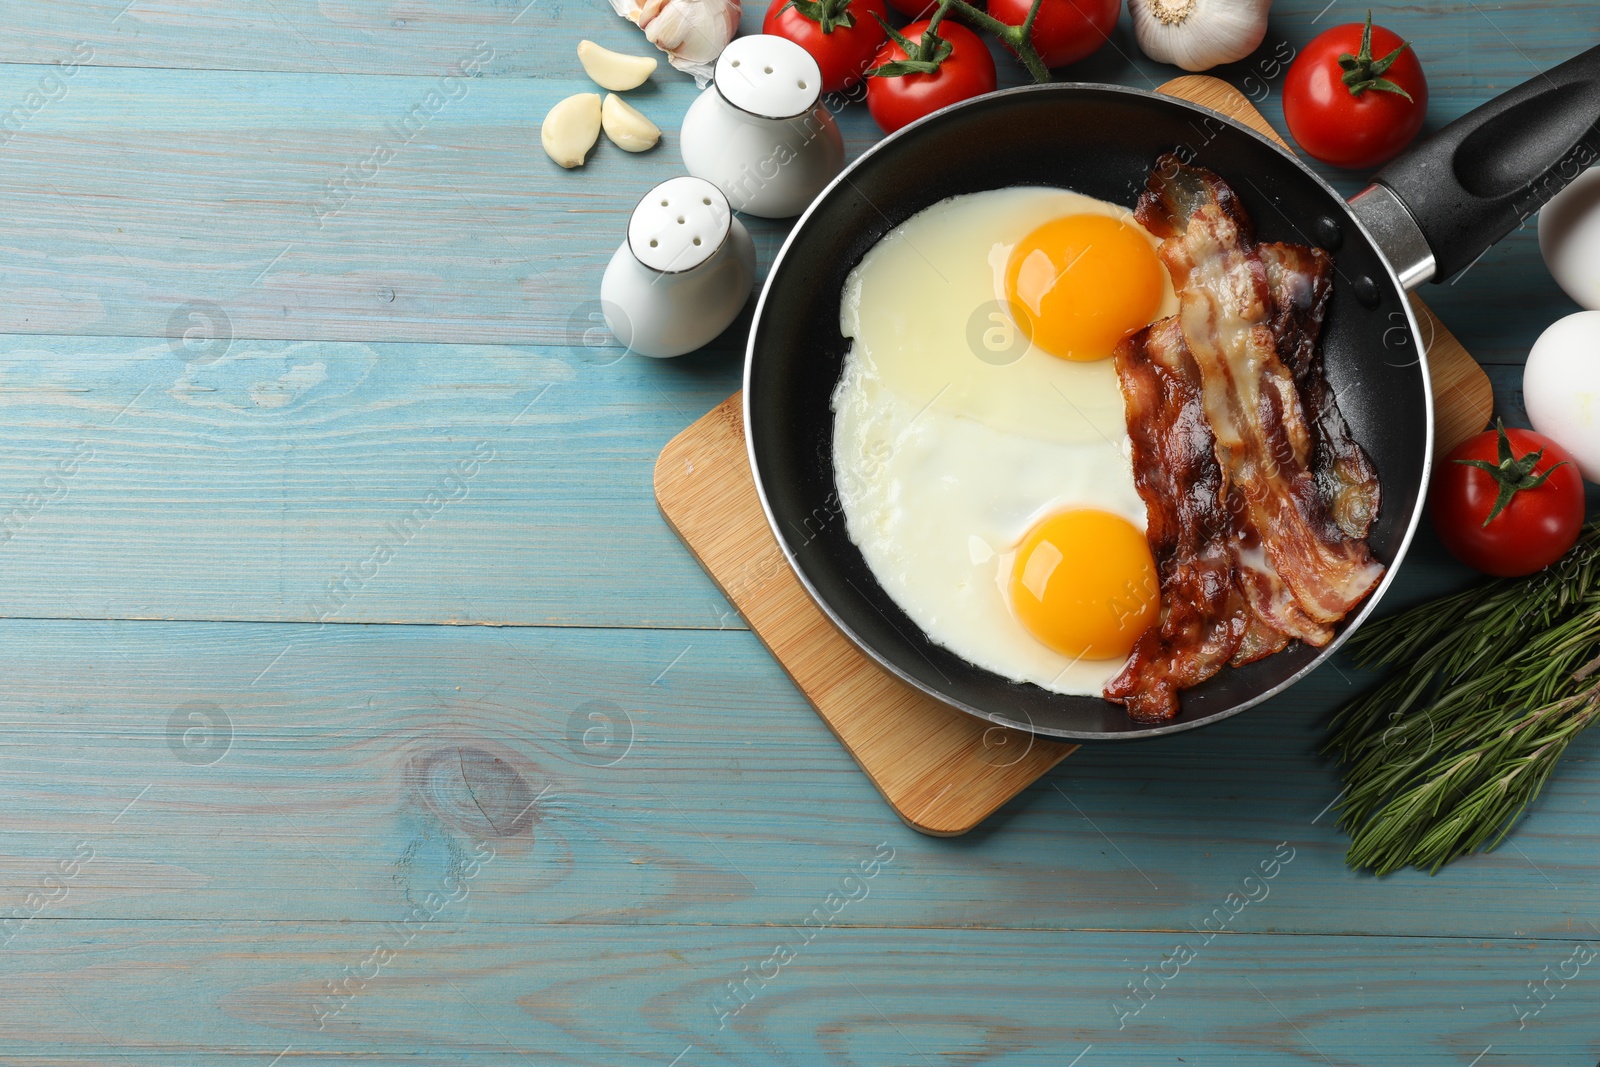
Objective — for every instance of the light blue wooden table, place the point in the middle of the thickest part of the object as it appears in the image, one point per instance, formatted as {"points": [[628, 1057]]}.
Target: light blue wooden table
{"points": [[359, 707]]}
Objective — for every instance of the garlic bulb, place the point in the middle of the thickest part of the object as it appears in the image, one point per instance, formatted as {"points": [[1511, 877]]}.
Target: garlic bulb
{"points": [[1199, 34], [691, 32]]}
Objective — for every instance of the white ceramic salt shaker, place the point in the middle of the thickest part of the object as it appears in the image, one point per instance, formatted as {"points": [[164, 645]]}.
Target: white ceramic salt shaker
{"points": [[682, 275], [759, 132]]}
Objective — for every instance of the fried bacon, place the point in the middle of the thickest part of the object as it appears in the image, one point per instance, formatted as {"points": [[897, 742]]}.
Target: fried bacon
{"points": [[1251, 401], [1301, 280], [1258, 497], [1276, 615], [1176, 472]]}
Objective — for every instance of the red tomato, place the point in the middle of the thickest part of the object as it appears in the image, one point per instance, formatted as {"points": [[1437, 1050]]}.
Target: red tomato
{"points": [[1534, 528], [1348, 112], [967, 70], [1064, 31], [841, 35]]}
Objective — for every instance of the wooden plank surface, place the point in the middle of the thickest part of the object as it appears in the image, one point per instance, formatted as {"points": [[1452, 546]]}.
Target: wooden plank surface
{"points": [[183, 164], [652, 777], [183, 473], [464, 992]]}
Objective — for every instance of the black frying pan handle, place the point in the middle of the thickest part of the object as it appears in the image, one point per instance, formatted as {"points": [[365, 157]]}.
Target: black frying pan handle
{"points": [[1474, 181]]}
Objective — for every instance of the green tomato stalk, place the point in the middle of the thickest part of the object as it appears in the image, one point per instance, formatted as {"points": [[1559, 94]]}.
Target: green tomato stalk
{"points": [[923, 56], [829, 15], [1513, 473], [1362, 72]]}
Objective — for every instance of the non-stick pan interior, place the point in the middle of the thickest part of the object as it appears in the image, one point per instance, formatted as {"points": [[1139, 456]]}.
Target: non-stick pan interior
{"points": [[1098, 140]]}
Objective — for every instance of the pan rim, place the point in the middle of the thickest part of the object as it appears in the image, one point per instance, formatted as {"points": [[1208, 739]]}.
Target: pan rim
{"points": [[1352, 623]]}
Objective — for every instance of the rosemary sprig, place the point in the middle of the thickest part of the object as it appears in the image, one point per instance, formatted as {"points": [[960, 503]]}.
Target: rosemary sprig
{"points": [[1490, 686]]}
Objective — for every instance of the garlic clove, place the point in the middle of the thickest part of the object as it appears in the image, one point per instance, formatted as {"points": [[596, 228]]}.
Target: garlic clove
{"points": [[627, 128], [613, 70], [692, 32], [1199, 34], [571, 128]]}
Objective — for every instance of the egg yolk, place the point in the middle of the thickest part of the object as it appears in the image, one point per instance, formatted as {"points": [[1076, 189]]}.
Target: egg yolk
{"points": [[1084, 583], [1084, 283]]}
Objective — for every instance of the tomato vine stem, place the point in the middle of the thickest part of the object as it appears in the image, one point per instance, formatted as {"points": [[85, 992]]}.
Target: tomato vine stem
{"points": [[925, 55]]}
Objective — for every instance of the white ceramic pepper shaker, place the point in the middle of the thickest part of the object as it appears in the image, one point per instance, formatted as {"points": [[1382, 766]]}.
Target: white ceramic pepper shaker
{"points": [[682, 275], [759, 132]]}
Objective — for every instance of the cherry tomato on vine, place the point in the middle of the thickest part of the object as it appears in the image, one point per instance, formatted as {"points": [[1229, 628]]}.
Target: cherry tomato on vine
{"points": [[1507, 502], [959, 66], [843, 36], [1352, 110], [1064, 31]]}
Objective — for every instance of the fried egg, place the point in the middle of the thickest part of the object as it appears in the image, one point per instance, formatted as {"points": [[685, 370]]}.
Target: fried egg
{"points": [[980, 449]]}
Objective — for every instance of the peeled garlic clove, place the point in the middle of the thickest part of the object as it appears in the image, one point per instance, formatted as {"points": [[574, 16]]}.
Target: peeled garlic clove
{"points": [[613, 70], [1199, 34], [628, 130], [571, 129]]}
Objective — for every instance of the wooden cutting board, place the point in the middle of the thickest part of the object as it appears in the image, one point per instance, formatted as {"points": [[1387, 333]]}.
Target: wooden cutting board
{"points": [[942, 771]]}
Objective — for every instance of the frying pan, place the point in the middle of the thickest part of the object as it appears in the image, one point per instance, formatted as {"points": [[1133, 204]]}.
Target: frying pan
{"points": [[1426, 216]]}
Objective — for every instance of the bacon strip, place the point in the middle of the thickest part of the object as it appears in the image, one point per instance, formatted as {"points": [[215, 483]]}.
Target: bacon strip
{"points": [[1176, 472], [1260, 640], [1301, 280], [1223, 600], [1250, 398], [1275, 615]]}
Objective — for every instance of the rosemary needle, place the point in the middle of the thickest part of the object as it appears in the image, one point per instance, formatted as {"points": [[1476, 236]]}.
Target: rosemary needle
{"points": [[1489, 687]]}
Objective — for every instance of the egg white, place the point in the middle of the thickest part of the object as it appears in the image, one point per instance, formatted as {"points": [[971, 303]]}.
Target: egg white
{"points": [[944, 459]]}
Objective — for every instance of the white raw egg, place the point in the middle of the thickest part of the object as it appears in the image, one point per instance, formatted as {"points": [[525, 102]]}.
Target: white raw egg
{"points": [[1561, 388], [1569, 238], [959, 442]]}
